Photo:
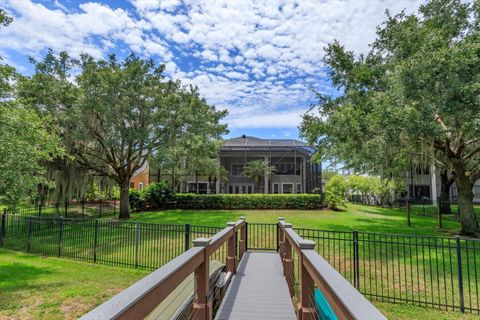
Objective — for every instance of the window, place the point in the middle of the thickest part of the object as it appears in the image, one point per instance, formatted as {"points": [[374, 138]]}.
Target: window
{"points": [[275, 188], [299, 188], [237, 189], [230, 189], [140, 186], [237, 169], [132, 185], [203, 188], [420, 192], [288, 168], [249, 189], [287, 188], [192, 187]]}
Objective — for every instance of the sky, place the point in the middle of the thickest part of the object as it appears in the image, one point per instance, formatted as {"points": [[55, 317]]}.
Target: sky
{"points": [[261, 60]]}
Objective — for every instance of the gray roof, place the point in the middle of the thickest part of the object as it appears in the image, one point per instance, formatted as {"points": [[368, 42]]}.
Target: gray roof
{"points": [[254, 143]]}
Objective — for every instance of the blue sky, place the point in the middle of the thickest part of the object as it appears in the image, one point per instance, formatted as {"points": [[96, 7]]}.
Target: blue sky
{"points": [[258, 59]]}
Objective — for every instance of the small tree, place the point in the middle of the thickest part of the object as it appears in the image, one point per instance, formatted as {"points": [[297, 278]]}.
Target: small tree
{"points": [[335, 190], [258, 170]]}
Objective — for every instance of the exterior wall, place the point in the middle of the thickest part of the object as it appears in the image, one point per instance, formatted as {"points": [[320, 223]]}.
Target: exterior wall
{"points": [[433, 181], [243, 184], [141, 180]]}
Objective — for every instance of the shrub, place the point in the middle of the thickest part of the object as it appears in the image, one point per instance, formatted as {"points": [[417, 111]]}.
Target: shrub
{"points": [[137, 201], [335, 190], [247, 201], [157, 195]]}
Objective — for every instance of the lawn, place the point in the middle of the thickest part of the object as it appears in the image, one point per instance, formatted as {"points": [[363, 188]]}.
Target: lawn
{"points": [[33, 287], [363, 218]]}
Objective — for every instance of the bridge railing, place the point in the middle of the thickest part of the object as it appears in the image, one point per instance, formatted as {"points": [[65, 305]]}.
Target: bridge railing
{"points": [[140, 299], [320, 290]]}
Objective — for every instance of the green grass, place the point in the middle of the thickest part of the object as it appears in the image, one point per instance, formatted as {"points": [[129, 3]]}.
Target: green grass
{"points": [[33, 287], [363, 218], [407, 312]]}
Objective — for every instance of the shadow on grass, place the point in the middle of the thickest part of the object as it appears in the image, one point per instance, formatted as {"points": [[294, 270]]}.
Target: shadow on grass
{"points": [[19, 276]]}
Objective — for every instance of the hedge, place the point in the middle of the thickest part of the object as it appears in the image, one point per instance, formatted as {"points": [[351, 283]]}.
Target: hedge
{"points": [[245, 201]]}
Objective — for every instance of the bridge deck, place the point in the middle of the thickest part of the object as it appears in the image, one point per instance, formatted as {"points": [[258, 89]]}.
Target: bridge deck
{"points": [[258, 290]]}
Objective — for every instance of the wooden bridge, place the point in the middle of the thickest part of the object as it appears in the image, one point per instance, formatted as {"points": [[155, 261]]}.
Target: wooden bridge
{"points": [[293, 283]]}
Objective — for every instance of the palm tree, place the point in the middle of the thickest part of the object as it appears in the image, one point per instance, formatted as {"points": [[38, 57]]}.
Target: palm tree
{"points": [[258, 169]]}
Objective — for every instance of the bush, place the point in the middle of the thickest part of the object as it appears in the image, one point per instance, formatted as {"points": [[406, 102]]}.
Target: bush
{"points": [[157, 195], [335, 190], [247, 201], [137, 201]]}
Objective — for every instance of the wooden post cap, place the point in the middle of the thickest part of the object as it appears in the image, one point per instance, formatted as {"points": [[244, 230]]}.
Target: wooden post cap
{"points": [[201, 242], [242, 218], [287, 225], [281, 219], [306, 244], [231, 224]]}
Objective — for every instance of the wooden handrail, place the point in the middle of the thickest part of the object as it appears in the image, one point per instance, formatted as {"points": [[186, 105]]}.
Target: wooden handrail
{"points": [[346, 301], [138, 300]]}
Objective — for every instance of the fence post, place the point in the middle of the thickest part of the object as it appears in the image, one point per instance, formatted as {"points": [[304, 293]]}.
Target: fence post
{"points": [[100, 208], [60, 235], [2, 229], [231, 250], [137, 239], [439, 205], [29, 240], [95, 237], [356, 264], [40, 210], [187, 236], [306, 308], [83, 208], [66, 209], [459, 272], [408, 214]]}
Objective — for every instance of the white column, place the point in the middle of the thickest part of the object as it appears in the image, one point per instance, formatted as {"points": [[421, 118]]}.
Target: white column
{"points": [[433, 174], [304, 175], [265, 187]]}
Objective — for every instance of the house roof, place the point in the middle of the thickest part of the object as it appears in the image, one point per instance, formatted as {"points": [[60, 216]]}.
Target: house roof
{"points": [[253, 143]]}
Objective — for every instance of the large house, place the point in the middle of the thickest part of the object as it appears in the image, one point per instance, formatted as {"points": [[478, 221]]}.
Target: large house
{"points": [[424, 184], [294, 173]]}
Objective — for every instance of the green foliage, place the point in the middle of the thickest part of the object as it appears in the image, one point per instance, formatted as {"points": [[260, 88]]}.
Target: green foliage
{"points": [[96, 192], [257, 170], [157, 195], [415, 94], [26, 140], [233, 201], [335, 191], [116, 115]]}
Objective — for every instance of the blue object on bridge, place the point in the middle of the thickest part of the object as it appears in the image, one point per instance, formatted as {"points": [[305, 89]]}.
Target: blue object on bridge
{"points": [[325, 312]]}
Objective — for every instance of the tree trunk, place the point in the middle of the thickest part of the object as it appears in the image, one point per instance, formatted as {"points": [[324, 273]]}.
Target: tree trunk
{"points": [[444, 201], [124, 202], [468, 220]]}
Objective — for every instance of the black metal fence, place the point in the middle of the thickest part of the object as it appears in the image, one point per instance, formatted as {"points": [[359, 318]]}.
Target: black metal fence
{"points": [[80, 209], [431, 271]]}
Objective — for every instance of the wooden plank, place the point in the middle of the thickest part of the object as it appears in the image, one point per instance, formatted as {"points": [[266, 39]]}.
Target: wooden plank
{"points": [[258, 290], [179, 297]]}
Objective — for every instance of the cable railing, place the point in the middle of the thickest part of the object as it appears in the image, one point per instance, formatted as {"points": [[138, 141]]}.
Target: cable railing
{"points": [[140, 299], [309, 275]]}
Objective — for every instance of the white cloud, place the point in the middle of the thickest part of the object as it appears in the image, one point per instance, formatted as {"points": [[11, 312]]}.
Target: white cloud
{"points": [[256, 58]]}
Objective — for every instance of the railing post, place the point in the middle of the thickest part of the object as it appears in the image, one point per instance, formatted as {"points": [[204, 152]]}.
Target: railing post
{"points": [[187, 237], [29, 241], [288, 261], [202, 306], [306, 306], [95, 239], [60, 235], [231, 250], [356, 263], [281, 241], [243, 240], [137, 240], [246, 236], [459, 273]]}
